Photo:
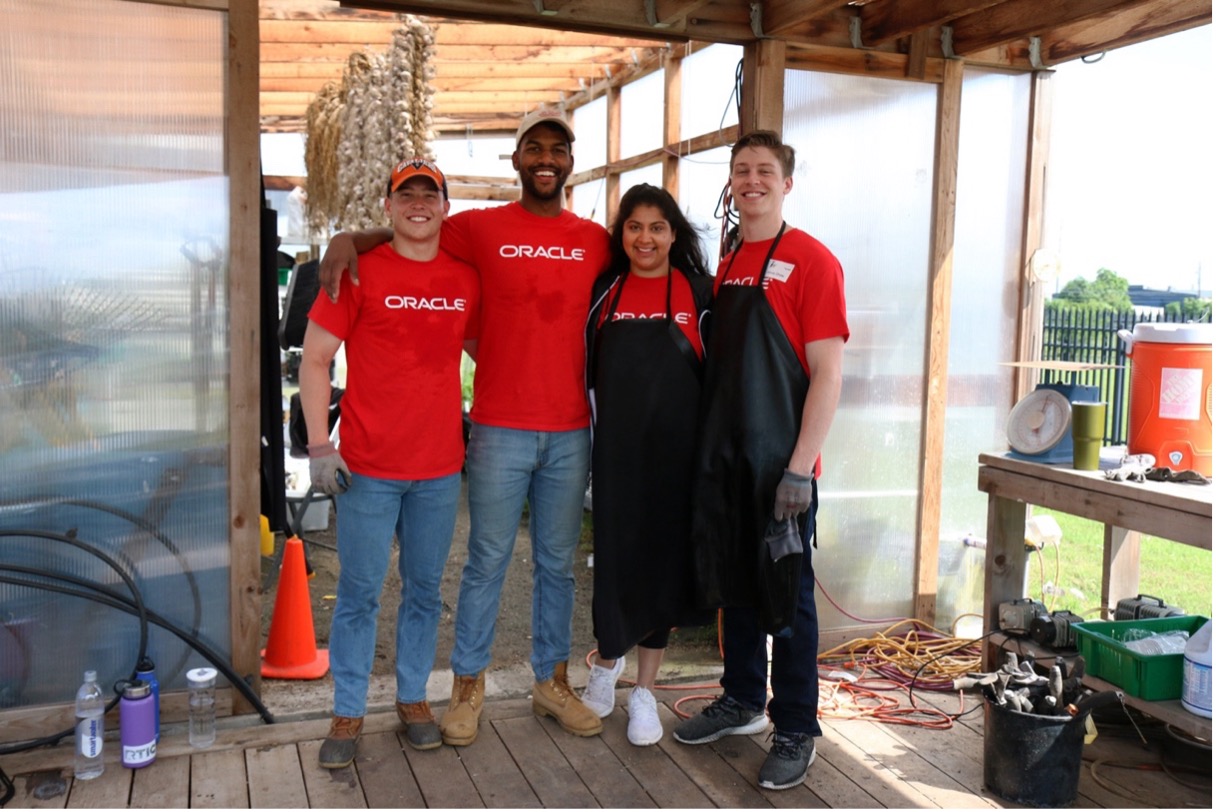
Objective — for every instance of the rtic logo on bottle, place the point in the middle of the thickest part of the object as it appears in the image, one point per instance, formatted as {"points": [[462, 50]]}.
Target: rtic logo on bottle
{"points": [[541, 252], [421, 303], [139, 754]]}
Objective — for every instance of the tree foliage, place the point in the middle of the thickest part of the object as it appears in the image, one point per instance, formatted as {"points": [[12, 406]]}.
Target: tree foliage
{"points": [[1108, 291], [1190, 310]]}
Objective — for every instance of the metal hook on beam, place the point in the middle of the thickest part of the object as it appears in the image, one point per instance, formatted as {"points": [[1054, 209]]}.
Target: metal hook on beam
{"points": [[948, 42], [855, 32], [755, 11], [540, 8], [1036, 53], [652, 16]]}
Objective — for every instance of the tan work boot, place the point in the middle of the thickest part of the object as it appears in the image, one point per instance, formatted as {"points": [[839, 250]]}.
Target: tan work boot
{"points": [[553, 697], [459, 725]]}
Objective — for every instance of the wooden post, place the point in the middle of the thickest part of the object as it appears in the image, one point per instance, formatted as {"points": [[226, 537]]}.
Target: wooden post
{"points": [[1030, 306], [242, 147], [941, 276], [612, 182], [763, 97], [671, 122]]}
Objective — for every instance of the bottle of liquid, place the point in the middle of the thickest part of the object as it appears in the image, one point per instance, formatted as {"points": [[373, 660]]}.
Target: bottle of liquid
{"points": [[136, 725], [201, 682], [146, 671], [90, 728], [1197, 672]]}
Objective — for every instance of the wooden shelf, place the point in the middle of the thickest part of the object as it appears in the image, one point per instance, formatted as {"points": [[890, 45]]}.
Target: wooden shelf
{"points": [[1169, 711], [1174, 511]]}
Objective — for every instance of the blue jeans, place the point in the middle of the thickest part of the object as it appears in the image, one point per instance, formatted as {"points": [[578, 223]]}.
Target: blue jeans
{"points": [[795, 668], [422, 513], [506, 466]]}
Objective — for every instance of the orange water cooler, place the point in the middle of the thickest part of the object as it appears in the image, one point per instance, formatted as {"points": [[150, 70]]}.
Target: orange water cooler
{"points": [[1170, 415]]}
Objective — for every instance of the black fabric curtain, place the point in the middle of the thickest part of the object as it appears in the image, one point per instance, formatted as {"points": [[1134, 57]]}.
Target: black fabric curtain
{"points": [[274, 477]]}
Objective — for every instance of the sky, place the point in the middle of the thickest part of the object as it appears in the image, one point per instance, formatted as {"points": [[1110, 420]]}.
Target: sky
{"points": [[1130, 169]]}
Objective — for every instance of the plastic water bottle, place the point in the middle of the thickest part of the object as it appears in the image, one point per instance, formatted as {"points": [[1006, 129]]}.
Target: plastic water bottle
{"points": [[201, 682], [146, 671], [90, 728], [1197, 672]]}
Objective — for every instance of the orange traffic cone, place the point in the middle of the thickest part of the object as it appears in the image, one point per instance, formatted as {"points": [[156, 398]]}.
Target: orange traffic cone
{"points": [[291, 651]]}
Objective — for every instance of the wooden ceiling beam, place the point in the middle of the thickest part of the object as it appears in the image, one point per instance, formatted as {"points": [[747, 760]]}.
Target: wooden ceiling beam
{"points": [[1017, 19], [447, 32], [780, 16], [884, 21], [456, 103], [331, 52], [1125, 27], [719, 21], [675, 12]]}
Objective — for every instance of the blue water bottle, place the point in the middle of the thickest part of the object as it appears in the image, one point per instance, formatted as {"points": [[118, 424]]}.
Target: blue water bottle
{"points": [[146, 671]]}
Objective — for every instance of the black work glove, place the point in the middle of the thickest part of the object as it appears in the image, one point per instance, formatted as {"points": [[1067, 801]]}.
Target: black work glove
{"points": [[793, 495], [328, 470]]}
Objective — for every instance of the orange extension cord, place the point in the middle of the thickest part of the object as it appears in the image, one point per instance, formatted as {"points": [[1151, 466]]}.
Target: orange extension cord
{"points": [[878, 668]]}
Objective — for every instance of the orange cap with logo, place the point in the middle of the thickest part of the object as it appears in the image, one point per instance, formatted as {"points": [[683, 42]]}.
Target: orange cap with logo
{"points": [[417, 168]]}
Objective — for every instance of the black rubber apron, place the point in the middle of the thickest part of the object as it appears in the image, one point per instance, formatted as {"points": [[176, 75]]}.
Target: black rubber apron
{"points": [[751, 413], [646, 378]]}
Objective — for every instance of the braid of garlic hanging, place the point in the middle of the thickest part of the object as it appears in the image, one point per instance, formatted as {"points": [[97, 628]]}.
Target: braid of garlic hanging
{"points": [[323, 134], [378, 157], [351, 152], [421, 97], [400, 81]]}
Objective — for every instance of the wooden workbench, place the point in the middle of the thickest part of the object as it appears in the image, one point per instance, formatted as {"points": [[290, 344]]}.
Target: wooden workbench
{"points": [[1174, 511]]}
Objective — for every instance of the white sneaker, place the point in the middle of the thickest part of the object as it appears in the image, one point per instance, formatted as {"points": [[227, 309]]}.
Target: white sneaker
{"points": [[600, 693], [644, 725]]}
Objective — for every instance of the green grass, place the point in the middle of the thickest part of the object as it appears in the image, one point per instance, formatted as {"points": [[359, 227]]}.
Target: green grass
{"points": [[1179, 574]]}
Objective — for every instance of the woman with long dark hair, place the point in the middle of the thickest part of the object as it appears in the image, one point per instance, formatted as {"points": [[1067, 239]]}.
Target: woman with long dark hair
{"points": [[645, 347]]}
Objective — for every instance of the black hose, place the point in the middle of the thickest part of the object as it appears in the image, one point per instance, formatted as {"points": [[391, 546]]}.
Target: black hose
{"points": [[107, 597], [143, 524], [140, 611], [136, 595]]}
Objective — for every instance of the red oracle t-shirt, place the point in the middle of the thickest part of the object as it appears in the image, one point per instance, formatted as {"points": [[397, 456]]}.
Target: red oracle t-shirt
{"points": [[646, 298], [804, 286], [403, 326], [536, 277]]}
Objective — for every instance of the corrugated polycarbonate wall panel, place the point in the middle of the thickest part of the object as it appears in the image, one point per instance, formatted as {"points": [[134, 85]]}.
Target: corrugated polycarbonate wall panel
{"points": [[984, 302], [863, 185], [114, 221]]}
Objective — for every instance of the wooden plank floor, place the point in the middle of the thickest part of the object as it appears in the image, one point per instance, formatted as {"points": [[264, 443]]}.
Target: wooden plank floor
{"points": [[520, 760]]}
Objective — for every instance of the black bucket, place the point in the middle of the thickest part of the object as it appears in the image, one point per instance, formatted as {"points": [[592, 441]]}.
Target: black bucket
{"points": [[1032, 759]]}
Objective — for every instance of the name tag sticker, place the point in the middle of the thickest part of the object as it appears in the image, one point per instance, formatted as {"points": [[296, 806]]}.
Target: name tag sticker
{"points": [[779, 270]]}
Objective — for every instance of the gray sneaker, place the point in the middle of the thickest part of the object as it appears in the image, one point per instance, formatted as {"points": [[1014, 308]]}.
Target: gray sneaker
{"points": [[789, 760], [725, 717]]}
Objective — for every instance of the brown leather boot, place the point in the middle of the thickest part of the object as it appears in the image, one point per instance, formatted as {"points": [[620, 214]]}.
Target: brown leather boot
{"points": [[421, 732], [459, 724], [553, 697], [338, 749]]}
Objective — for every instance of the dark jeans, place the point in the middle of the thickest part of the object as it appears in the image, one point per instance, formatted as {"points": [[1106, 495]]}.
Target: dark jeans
{"points": [[795, 669]]}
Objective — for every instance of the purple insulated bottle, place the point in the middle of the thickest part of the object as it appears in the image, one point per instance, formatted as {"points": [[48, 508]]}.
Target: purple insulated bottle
{"points": [[137, 724]]}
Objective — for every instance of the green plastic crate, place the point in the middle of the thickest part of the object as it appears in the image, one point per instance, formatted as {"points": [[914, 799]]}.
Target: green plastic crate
{"points": [[1148, 676]]}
